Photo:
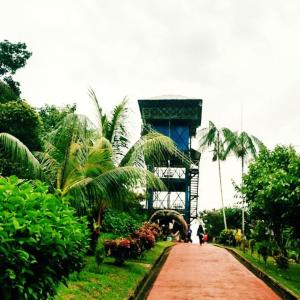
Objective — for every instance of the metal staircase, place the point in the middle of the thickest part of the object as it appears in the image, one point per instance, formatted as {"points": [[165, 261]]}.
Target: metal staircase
{"points": [[194, 176]]}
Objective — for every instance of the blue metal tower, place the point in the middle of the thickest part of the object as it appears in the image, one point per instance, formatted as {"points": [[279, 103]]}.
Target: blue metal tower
{"points": [[178, 118]]}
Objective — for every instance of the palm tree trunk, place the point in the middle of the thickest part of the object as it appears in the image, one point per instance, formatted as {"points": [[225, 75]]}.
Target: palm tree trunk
{"points": [[222, 199]]}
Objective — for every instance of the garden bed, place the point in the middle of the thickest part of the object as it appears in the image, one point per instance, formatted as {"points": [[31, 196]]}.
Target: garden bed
{"points": [[109, 281], [286, 283]]}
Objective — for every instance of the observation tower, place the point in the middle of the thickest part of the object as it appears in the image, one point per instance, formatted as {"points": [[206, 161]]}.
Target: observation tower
{"points": [[177, 117]]}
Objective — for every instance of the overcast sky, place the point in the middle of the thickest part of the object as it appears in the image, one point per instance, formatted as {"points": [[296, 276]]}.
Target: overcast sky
{"points": [[224, 52]]}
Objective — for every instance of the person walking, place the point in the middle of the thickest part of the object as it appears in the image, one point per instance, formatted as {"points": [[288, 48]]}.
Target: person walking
{"points": [[189, 235], [200, 233]]}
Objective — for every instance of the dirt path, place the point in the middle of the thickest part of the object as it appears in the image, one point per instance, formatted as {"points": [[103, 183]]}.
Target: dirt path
{"points": [[207, 272]]}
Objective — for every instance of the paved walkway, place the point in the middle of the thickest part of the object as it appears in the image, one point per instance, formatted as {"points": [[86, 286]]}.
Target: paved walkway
{"points": [[206, 272]]}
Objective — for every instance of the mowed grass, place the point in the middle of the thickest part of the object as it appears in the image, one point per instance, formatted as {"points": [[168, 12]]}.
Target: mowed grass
{"points": [[109, 281], [289, 278]]}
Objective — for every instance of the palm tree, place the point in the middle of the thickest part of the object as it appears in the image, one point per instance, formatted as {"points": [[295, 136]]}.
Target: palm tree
{"points": [[244, 146], [212, 137], [152, 146], [94, 165]]}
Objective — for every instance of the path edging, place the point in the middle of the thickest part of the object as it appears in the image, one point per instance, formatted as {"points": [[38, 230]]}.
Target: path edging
{"points": [[144, 286], [281, 290]]}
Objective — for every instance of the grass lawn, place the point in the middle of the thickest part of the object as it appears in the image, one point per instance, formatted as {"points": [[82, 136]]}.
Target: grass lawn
{"points": [[289, 278], [109, 281]]}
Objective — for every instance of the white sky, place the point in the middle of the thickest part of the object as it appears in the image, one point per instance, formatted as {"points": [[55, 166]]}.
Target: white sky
{"points": [[226, 52]]}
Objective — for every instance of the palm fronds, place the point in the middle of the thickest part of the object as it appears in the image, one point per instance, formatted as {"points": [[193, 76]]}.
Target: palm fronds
{"points": [[19, 152]]}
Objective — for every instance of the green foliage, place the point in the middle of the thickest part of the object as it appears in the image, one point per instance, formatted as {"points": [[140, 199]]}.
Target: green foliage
{"points": [[134, 245], [52, 115], [259, 231], [6, 93], [213, 220], [252, 243], [110, 281], [264, 249], [122, 223], [227, 237], [20, 120], [272, 190], [100, 253], [281, 261], [12, 57], [42, 241], [289, 278]]}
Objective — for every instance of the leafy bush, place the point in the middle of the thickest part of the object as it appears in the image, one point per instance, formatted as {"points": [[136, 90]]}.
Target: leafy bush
{"points": [[6, 93], [121, 223], [100, 253], [238, 236], [132, 247], [20, 120], [227, 237], [263, 249], [252, 245], [41, 241], [281, 261]]}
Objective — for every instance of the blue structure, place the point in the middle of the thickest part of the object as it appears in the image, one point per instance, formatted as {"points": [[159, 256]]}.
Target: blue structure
{"points": [[178, 118]]}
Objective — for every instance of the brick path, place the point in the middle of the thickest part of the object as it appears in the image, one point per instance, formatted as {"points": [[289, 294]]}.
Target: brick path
{"points": [[207, 272]]}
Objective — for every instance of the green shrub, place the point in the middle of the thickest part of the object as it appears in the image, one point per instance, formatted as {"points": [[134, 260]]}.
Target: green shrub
{"points": [[100, 253], [41, 241], [227, 237], [281, 261], [132, 247], [252, 245], [121, 223], [264, 249], [20, 120]]}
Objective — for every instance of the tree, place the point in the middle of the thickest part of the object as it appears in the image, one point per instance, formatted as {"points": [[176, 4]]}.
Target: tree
{"points": [[6, 94], [52, 116], [152, 146], [12, 57], [213, 219], [79, 160], [272, 190], [20, 120], [243, 145], [212, 137]]}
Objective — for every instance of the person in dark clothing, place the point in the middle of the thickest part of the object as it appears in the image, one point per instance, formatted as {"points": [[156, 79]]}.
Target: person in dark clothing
{"points": [[189, 235], [200, 233]]}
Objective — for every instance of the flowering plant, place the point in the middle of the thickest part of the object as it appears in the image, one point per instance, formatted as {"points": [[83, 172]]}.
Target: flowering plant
{"points": [[131, 247]]}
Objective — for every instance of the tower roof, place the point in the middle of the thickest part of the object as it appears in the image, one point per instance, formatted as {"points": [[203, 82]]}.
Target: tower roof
{"points": [[168, 97], [172, 107]]}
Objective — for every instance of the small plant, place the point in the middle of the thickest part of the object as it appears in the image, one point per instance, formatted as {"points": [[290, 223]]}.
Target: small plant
{"points": [[100, 253], [132, 247], [252, 245], [282, 261], [238, 237], [227, 237], [244, 245], [263, 250]]}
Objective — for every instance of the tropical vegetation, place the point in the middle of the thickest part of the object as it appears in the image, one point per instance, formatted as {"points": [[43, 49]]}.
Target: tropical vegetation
{"points": [[42, 241]]}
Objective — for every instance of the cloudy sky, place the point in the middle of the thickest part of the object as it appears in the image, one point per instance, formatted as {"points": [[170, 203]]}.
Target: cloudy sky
{"points": [[230, 53]]}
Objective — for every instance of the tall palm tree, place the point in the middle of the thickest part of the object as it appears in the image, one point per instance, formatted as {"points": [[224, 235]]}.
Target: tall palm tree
{"points": [[244, 146], [214, 138], [94, 165], [152, 146]]}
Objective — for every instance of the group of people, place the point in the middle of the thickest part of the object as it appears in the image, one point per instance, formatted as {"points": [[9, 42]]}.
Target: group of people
{"points": [[203, 237]]}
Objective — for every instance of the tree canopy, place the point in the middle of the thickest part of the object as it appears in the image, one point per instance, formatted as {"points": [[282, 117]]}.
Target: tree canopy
{"points": [[13, 56], [272, 190]]}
